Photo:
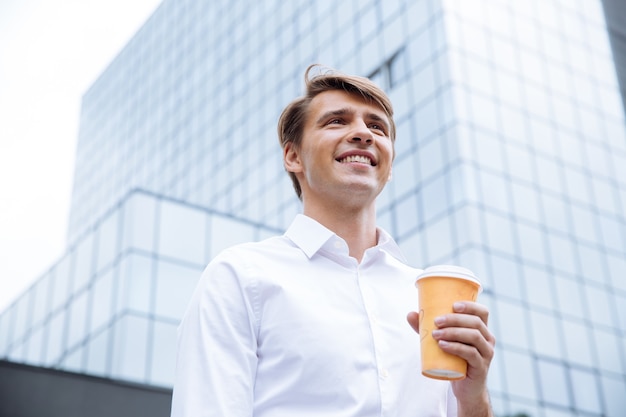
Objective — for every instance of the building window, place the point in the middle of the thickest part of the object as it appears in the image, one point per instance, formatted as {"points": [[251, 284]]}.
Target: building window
{"points": [[391, 72]]}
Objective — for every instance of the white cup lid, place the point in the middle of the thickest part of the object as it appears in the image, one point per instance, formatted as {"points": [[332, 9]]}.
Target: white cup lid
{"points": [[452, 271]]}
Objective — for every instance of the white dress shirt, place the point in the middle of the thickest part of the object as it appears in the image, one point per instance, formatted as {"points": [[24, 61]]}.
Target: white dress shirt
{"points": [[294, 327]]}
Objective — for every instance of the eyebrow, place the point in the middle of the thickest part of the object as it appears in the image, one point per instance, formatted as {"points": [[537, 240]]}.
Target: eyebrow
{"points": [[348, 111]]}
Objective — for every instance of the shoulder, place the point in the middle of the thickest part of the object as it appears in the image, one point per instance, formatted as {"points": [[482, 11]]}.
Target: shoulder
{"points": [[265, 249], [253, 257]]}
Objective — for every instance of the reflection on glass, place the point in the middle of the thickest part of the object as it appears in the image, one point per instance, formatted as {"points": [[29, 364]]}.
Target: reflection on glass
{"points": [[41, 296], [139, 222], [131, 345], [585, 391], [577, 343], [520, 375], [175, 284], [545, 334], [77, 319], [226, 232], [61, 281], [97, 350], [55, 342], [163, 354], [182, 233], [553, 383], [101, 299], [135, 283], [83, 266], [107, 240], [512, 324]]}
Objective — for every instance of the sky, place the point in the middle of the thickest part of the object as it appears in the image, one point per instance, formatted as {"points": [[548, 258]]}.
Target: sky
{"points": [[50, 53]]}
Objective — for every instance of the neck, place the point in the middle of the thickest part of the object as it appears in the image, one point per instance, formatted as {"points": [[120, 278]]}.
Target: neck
{"points": [[356, 226]]}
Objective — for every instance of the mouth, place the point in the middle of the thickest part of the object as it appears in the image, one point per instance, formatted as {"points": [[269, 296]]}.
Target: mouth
{"points": [[361, 159]]}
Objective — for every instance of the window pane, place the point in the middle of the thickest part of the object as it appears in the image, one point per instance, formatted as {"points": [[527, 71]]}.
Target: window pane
{"points": [[569, 297], [131, 347], [61, 280], [182, 233], [438, 237], [499, 232], [585, 386], [433, 199], [610, 357], [97, 353], [101, 300], [139, 222], [577, 344], [135, 283], [506, 277], [41, 298], [520, 375], [163, 354], [83, 266], [513, 325], [614, 398], [525, 202], [553, 383], [22, 316], [34, 347], [226, 232], [545, 334], [78, 318], [107, 240], [54, 343], [175, 284]]}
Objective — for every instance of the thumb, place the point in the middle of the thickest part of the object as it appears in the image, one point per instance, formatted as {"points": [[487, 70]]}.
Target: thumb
{"points": [[414, 320]]}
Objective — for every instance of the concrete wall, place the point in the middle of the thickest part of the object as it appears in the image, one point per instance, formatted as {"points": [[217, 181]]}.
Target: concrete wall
{"points": [[28, 391]]}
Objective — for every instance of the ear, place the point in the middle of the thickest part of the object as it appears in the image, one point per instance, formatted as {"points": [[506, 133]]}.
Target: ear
{"points": [[291, 158], [390, 174]]}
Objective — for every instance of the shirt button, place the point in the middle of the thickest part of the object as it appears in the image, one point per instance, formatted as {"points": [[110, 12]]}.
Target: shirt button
{"points": [[384, 374], [338, 244]]}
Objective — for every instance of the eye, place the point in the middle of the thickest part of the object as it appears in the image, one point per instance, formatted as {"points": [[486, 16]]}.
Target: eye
{"points": [[379, 127], [335, 121]]}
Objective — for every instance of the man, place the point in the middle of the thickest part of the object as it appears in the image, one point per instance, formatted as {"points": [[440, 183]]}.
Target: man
{"points": [[314, 322]]}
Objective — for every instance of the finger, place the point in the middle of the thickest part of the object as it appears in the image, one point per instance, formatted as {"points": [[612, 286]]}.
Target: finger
{"points": [[473, 308], [466, 314], [467, 340], [478, 364], [468, 325], [414, 320]]}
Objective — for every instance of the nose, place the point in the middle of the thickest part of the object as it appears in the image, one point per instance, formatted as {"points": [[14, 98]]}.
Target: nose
{"points": [[364, 140], [362, 134]]}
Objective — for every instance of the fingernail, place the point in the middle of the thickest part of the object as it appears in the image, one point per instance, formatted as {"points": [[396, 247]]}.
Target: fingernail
{"points": [[458, 307], [443, 343], [437, 333], [440, 320]]}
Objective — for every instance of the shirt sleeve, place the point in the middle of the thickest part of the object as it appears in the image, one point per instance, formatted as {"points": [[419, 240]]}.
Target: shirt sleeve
{"points": [[216, 352]]}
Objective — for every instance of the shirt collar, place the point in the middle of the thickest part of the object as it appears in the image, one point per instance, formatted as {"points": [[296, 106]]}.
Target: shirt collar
{"points": [[311, 236]]}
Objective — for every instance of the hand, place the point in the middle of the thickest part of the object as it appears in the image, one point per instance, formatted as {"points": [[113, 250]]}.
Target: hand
{"points": [[464, 333]]}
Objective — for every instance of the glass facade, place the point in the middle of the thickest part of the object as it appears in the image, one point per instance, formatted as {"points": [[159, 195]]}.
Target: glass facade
{"points": [[511, 161], [111, 305]]}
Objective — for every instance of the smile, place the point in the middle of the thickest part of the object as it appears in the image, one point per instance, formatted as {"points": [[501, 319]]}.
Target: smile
{"points": [[356, 158]]}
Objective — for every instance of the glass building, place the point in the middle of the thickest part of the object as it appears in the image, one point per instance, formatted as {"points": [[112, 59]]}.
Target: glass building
{"points": [[511, 161]]}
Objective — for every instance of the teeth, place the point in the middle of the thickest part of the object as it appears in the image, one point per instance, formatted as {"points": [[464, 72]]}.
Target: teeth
{"points": [[357, 158]]}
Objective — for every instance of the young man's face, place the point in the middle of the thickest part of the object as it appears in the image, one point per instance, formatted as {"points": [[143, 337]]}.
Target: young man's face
{"points": [[346, 152]]}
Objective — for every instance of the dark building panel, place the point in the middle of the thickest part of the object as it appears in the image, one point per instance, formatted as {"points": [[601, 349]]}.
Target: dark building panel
{"points": [[29, 391], [615, 13]]}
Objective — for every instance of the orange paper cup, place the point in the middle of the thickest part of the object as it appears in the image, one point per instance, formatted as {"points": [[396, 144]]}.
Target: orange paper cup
{"points": [[439, 287]]}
